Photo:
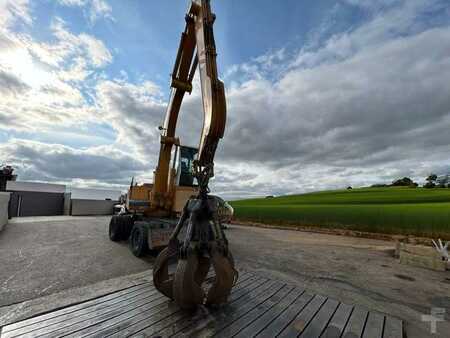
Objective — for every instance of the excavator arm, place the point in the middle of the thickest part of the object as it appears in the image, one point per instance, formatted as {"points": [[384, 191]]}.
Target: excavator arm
{"points": [[196, 50], [204, 243]]}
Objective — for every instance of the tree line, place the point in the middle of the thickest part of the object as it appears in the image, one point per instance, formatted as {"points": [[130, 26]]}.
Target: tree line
{"points": [[431, 182]]}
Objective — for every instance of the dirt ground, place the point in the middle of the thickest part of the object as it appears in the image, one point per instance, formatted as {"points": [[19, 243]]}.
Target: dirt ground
{"points": [[42, 256]]}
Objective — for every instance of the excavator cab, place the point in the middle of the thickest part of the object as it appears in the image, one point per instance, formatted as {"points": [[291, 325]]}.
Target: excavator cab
{"points": [[185, 171]]}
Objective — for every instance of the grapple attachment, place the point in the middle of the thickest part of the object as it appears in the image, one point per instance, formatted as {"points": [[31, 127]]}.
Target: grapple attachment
{"points": [[204, 245]]}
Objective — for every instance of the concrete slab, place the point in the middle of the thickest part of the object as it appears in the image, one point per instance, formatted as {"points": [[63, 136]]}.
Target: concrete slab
{"points": [[43, 255]]}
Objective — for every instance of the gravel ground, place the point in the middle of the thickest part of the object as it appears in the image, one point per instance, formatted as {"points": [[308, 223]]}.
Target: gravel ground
{"points": [[42, 256]]}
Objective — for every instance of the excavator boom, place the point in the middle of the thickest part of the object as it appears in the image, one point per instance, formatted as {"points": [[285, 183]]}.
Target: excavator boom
{"points": [[196, 50]]}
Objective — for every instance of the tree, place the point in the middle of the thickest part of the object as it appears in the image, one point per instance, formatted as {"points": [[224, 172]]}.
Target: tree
{"points": [[432, 178], [404, 182], [431, 181]]}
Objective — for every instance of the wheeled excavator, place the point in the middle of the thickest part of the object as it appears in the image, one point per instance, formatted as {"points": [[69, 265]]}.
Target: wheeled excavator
{"points": [[196, 241]]}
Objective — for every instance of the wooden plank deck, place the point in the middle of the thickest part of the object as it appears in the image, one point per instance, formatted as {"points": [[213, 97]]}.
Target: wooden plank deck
{"points": [[258, 307]]}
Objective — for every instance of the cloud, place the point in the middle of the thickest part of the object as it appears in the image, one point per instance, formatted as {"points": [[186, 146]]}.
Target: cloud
{"points": [[44, 84], [10, 84], [365, 107], [54, 162], [13, 11], [93, 9], [134, 111], [349, 111], [358, 107], [93, 50], [389, 20]]}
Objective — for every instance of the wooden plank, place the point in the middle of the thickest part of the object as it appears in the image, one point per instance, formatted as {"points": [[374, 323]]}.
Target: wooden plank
{"points": [[82, 313], [73, 308], [68, 315], [286, 317], [76, 324], [167, 312], [217, 320], [318, 324], [304, 317], [237, 325], [189, 320], [258, 325], [355, 325], [338, 321], [393, 328], [142, 329], [124, 320], [96, 303], [374, 326], [124, 326], [257, 307]]}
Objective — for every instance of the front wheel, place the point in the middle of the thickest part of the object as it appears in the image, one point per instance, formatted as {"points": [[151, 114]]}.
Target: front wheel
{"points": [[115, 229], [127, 226], [139, 240]]}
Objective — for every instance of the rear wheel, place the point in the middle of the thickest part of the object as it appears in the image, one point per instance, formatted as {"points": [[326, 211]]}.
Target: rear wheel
{"points": [[139, 240], [115, 229]]}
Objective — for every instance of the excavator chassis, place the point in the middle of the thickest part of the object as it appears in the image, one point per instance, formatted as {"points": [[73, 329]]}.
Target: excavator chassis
{"points": [[143, 233]]}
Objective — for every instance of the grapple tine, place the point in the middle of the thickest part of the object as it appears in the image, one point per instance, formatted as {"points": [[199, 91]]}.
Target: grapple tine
{"points": [[236, 273], [186, 291], [225, 278], [204, 264]]}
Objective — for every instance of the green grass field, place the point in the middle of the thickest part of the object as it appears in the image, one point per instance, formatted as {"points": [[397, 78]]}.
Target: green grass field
{"points": [[393, 210]]}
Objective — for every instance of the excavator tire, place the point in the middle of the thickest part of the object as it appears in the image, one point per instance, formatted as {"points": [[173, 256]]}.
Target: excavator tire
{"points": [[139, 240], [127, 225], [115, 229]]}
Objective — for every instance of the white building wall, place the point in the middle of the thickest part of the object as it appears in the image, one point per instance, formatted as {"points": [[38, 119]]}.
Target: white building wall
{"points": [[82, 207], [4, 200], [94, 194], [35, 186]]}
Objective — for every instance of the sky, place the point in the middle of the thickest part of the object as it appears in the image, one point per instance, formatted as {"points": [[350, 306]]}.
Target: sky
{"points": [[320, 94]]}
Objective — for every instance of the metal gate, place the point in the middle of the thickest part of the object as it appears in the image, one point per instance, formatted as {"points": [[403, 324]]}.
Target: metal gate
{"points": [[34, 203]]}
